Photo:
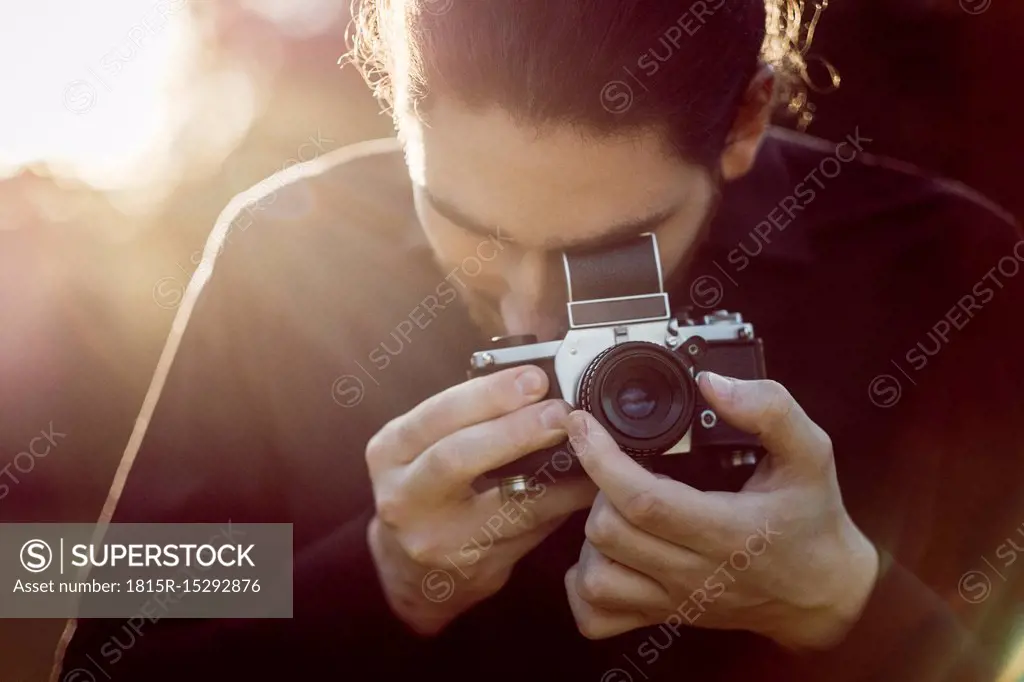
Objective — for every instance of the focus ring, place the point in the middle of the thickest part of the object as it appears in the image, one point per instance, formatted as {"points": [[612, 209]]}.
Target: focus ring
{"points": [[584, 393]]}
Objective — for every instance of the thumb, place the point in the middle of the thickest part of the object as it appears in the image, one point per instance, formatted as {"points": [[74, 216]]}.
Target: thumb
{"points": [[766, 409]]}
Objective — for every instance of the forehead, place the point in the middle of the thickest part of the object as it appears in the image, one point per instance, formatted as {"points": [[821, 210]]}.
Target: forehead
{"points": [[533, 182]]}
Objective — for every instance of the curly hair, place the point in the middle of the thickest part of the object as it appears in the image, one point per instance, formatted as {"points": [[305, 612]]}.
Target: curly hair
{"points": [[603, 66]]}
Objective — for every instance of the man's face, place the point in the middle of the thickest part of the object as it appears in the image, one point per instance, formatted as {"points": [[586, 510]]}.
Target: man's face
{"points": [[499, 201]]}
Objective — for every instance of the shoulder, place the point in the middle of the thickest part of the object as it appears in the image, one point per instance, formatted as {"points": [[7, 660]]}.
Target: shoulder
{"points": [[362, 189], [913, 243], [888, 205], [278, 304], [311, 229]]}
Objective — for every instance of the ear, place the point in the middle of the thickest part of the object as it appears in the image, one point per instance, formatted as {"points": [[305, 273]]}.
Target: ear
{"points": [[751, 124]]}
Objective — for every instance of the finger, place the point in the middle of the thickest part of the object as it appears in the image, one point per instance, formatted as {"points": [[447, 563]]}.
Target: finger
{"points": [[597, 623], [486, 522], [480, 399], [620, 541], [669, 509], [767, 410], [449, 467], [605, 584], [526, 511]]}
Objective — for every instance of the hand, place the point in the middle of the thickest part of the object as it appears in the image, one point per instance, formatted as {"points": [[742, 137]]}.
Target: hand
{"points": [[439, 546], [781, 557]]}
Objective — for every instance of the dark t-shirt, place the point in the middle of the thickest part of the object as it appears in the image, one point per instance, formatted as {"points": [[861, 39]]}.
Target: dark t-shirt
{"points": [[891, 305]]}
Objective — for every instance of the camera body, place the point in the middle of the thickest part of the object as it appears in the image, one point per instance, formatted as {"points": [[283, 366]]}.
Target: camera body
{"points": [[632, 364]]}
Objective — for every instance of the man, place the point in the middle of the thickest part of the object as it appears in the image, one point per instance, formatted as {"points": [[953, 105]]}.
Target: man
{"points": [[320, 379]]}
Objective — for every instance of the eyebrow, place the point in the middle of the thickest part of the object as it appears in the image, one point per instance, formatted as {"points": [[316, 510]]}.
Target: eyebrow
{"points": [[618, 233]]}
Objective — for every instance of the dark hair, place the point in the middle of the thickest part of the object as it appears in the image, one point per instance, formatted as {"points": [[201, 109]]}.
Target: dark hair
{"points": [[602, 65]]}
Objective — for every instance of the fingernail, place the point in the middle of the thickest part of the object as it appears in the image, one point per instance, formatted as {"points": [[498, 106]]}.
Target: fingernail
{"points": [[553, 416], [722, 386], [529, 382], [576, 429]]}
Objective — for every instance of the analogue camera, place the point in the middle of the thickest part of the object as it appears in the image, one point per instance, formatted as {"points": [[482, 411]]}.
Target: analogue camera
{"points": [[632, 364]]}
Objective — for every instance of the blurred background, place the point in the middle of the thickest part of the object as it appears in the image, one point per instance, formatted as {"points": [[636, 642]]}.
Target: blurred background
{"points": [[127, 126]]}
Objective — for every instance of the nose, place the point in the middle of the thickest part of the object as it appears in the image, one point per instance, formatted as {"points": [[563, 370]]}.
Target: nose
{"points": [[535, 300]]}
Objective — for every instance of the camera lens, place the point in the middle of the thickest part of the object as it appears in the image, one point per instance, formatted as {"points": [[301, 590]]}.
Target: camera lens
{"points": [[637, 399], [642, 393]]}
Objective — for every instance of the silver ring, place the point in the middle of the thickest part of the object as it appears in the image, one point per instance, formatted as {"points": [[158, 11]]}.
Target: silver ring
{"points": [[512, 485]]}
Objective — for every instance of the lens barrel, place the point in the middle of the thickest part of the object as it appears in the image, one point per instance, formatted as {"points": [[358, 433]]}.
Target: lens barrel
{"points": [[642, 393]]}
